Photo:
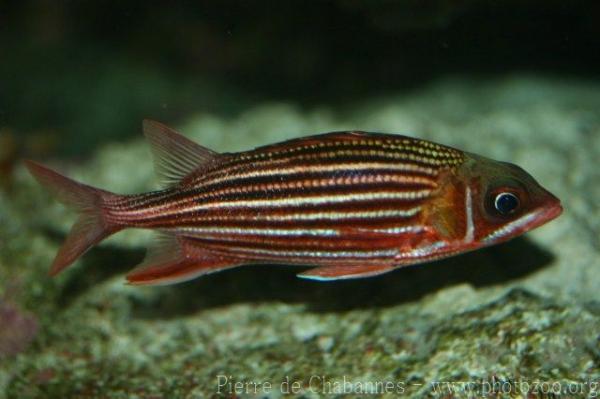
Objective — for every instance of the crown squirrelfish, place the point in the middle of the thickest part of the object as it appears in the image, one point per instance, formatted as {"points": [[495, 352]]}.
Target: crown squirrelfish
{"points": [[352, 204]]}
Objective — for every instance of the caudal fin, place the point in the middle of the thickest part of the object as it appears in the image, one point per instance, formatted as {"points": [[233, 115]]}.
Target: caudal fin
{"points": [[90, 228]]}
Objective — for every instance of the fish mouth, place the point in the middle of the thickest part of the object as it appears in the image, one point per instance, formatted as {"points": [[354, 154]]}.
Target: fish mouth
{"points": [[551, 212], [543, 216]]}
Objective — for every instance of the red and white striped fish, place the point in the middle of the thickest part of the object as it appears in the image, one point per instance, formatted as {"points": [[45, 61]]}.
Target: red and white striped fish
{"points": [[353, 204]]}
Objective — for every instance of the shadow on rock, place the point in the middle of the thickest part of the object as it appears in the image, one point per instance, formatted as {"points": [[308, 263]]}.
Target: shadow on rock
{"points": [[97, 265], [256, 284]]}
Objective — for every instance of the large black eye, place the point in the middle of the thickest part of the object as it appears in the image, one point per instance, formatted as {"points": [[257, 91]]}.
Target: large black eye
{"points": [[506, 203]]}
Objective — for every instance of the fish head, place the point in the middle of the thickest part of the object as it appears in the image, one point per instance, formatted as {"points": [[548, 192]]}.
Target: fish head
{"points": [[505, 202]]}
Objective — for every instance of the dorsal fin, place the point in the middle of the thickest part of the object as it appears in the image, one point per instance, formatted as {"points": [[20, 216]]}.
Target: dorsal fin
{"points": [[175, 156]]}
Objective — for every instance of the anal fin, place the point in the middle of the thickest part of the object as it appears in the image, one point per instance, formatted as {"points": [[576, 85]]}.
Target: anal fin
{"points": [[330, 273], [175, 260]]}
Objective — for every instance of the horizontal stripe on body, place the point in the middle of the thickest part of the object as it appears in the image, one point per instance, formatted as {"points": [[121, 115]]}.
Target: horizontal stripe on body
{"points": [[304, 157], [310, 164], [321, 189], [369, 199], [314, 175], [314, 216], [233, 232], [307, 246], [305, 251], [273, 161], [390, 148]]}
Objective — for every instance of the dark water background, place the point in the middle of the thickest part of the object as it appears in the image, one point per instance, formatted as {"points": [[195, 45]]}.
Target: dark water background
{"points": [[75, 74]]}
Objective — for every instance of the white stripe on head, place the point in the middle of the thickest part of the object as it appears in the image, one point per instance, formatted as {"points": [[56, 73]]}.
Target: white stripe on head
{"points": [[470, 229], [511, 227]]}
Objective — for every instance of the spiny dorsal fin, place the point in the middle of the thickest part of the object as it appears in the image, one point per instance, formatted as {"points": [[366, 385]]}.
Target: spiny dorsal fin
{"points": [[175, 156]]}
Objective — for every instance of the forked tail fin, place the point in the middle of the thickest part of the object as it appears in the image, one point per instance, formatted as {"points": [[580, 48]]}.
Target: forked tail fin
{"points": [[90, 228]]}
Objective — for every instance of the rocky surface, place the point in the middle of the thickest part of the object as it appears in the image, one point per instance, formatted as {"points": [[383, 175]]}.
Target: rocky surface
{"points": [[520, 317]]}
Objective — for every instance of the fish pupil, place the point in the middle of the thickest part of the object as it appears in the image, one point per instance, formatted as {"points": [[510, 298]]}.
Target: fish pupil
{"points": [[506, 203]]}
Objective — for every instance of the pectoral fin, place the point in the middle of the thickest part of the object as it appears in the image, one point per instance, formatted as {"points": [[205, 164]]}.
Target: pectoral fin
{"points": [[175, 260], [329, 273]]}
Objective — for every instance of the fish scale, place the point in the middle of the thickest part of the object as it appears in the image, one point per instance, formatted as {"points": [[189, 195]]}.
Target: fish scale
{"points": [[353, 204]]}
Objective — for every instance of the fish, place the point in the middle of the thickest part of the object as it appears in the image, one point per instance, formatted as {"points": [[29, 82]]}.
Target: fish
{"points": [[350, 204]]}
